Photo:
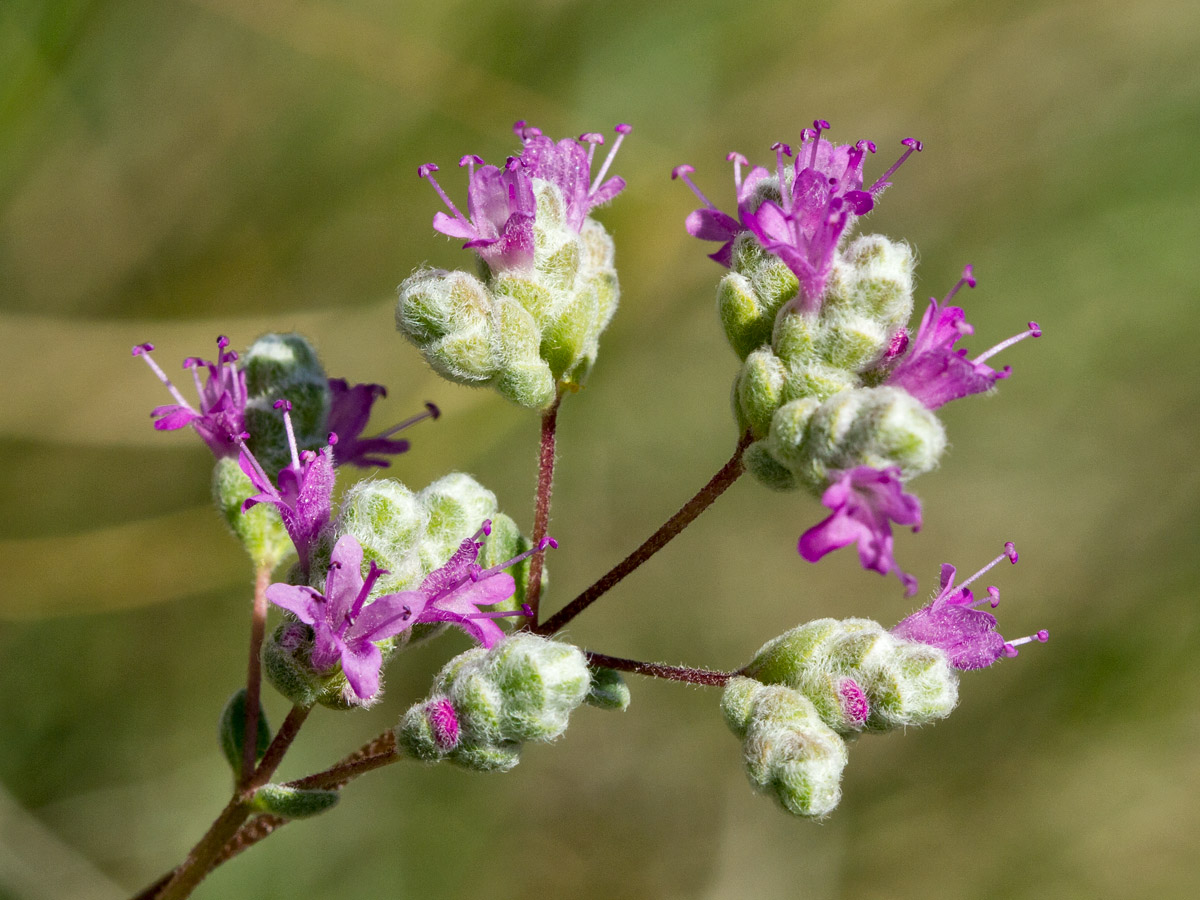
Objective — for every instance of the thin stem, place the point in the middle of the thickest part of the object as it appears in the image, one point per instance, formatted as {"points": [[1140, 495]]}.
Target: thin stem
{"points": [[688, 513], [660, 670], [203, 857], [541, 514], [258, 625]]}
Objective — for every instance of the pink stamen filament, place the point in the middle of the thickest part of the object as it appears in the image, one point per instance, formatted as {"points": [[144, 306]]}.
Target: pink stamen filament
{"points": [[621, 131], [681, 172], [368, 583], [427, 173], [1032, 331], [262, 473], [914, 146], [591, 138], [985, 569], [525, 611], [967, 278], [1010, 647], [431, 412], [542, 545], [738, 161], [817, 126], [484, 530], [162, 376], [291, 434], [781, 150]]}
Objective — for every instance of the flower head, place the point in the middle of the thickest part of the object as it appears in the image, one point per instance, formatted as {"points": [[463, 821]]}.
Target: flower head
{"points": [[568, 166], [932, 370], [865, 501], [349, 410], [952, 622], [820, 194], [220, 419], [304, 496], [346, 628]]}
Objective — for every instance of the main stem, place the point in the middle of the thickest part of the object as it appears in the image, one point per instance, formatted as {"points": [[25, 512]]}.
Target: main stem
{"points": [[541, 513], [688, 513], [258, 625], [199, 862], [660, 670]]}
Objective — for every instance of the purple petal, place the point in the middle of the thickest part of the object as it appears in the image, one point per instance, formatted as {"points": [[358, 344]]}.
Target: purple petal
{"points": [[302, 601], [711, 225], [387, 616], [344, 581], [968, 636], [361, 662]]}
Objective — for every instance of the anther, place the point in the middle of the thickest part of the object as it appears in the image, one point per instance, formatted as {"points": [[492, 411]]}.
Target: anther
{"points": [[682, 172], [143, 350], [1033, 330], [914, 146], [967, 278], [621, 131]]}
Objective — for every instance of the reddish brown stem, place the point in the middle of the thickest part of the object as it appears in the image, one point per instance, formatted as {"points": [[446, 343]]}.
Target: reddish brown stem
{"points": [[660, 670], [258, 625], [541, 513], [688, 513]]}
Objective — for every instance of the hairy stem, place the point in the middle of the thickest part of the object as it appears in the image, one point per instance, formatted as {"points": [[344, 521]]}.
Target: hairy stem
{"points": [[660, 670], [258, 625], [688, 513], [541, 513], [202, 859]]}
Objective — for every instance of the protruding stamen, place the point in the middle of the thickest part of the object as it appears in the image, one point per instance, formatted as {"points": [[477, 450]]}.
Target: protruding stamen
{"points": [[431, 412], [818, 125], [1010, 648], [914, 146], [1011, 554], [591, 138], [781, 150], [738, 161], [501, 615], [869, 146], [541, 545], [286, 406], [682, 172], [1010, 550], [1034, 330], [143, 350], [621, 131], [426, 171], [993, 594], [968, 278], [484, 530], [525, 131]]}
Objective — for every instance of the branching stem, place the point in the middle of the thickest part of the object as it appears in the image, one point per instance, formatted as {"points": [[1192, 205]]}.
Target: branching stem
{"points": [[258, 625], [541, 513], [660, 670]]}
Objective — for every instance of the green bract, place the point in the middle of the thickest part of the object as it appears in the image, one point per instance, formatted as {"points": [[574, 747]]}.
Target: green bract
{"points": [[260, 529], [284, 366], [527, 333]]}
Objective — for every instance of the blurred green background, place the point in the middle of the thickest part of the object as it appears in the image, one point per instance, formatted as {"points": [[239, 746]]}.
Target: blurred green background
{"points": [[171, 171]]}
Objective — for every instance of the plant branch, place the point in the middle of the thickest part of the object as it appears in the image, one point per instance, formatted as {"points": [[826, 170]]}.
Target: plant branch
{"points": [[258, 625], [541, 513], [660, 670], [688, 513]]}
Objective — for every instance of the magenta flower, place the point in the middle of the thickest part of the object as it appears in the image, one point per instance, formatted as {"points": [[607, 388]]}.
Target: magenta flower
{"points": [[569, 167], [349, 411], [220, 419], [502, 210], [932, 370], [865, 501], [346, 628], [304, 497], [952, 623], [820, 195]]}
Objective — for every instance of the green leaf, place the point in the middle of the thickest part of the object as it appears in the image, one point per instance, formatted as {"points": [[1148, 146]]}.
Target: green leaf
{"points": [[232, 731], [293, 803]]}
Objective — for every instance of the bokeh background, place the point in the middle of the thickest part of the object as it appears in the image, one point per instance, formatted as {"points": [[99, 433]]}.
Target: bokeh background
{"points": [[171, 171]]}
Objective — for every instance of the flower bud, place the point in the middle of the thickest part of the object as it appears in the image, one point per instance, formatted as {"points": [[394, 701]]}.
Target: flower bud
{"points": [[284, 366], [522, 689], [608, 691], [293, 803], [231, 731], [260, 529], [788, 751]]}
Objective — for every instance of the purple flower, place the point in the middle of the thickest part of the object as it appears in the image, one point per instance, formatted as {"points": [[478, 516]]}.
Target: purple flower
{"points": [[502, 209], [932, 370], [346, 628], [349, 410], [818, 203], [568, 166], [304, 497], [952, 623], [865, 501], [220, 420]]}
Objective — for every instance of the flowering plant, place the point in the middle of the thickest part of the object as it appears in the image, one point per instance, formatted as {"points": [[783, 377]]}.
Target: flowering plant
{"points": [[833, 394]]}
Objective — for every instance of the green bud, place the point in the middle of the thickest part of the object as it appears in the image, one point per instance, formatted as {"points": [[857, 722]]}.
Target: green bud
{"points": [[742, 316], [293, 803], [285, 661], [232, 731], [759, 390], [874, 278], [788, 751], [259, 529], [608, 690], [762, 465], [284, 366]]}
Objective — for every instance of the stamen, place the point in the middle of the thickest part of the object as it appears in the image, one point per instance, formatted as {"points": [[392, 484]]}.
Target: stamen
{"points": [[262, 473], [781, 150], [914, 146], [1010, 648], [682, 172], [286, 406], [525, 131], [426, 171], [541, 545], [1009, 551], [431, 412], [526, 611], [818, 125], [1034, 330], [994, 596], [621, 131], [591, 138], [484, 530], [738, 161], [968, 278], [470, 161], [373, 575], [143, 350]]}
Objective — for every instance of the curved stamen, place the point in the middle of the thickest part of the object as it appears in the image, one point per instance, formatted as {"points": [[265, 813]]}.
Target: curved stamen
{"points": [[426, 171], [818, 125], [1010, 552], [1034, 330], [431, 412], [1010, 647], [968, 278], [621, 131], [682, 172], [143, 350], [541, 545], [484, 530], [914, 146], [373, 575]]}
